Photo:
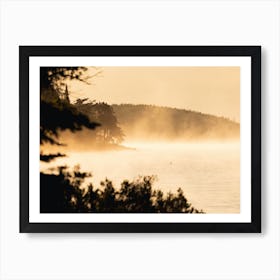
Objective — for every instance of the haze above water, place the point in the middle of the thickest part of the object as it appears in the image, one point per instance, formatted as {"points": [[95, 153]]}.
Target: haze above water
{"points": [[208, 173]]}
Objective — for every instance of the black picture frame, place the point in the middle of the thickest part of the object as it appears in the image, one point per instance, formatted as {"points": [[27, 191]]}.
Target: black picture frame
{"points": [[25, 52]]}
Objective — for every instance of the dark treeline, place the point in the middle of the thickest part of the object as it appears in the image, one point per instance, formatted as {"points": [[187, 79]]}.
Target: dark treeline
{"points": [[147, 122], [62, 193], [102, 113]]}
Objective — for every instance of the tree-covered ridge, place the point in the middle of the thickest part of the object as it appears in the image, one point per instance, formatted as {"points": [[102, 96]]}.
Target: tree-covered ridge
{"points": [[148, 122], [62, 193]]}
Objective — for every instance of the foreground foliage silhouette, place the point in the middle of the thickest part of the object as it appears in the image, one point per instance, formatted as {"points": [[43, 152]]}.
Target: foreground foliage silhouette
{"points": [[56, 112], [62, 193]]}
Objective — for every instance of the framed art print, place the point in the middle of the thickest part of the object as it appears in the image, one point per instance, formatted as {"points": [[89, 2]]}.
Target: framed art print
{"points": [[140, 138]]}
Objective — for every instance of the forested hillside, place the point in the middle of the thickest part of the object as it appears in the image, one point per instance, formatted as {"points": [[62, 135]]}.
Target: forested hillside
{"points": [[147, 122]]}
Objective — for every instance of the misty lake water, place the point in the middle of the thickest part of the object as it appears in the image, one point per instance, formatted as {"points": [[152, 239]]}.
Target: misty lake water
{"points": [[209, 174]]}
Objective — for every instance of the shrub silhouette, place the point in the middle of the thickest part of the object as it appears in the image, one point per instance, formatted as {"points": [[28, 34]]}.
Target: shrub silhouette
{"points": [[62, 193]]}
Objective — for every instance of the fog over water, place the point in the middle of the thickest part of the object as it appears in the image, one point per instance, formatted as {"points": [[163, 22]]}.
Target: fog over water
{"points": [[208, 172]]}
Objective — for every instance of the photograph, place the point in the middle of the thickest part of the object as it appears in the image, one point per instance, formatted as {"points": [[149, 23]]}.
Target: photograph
{"points": [[139, 139]]}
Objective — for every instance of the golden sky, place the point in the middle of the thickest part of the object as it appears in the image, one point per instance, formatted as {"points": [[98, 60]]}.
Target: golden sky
{"points": [[212, 90]]}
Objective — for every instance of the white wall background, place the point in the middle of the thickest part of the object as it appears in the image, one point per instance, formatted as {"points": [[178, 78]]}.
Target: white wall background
{"points": [[139, 256]]}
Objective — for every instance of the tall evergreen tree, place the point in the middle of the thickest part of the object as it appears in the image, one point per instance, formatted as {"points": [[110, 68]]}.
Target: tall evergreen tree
{"points": [[56, 112]]}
